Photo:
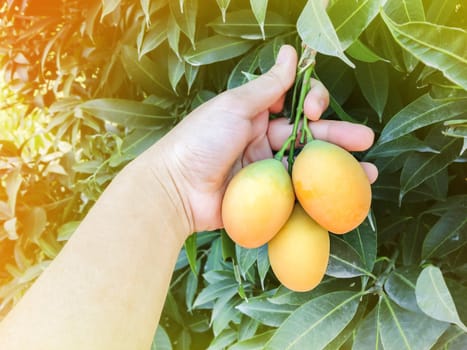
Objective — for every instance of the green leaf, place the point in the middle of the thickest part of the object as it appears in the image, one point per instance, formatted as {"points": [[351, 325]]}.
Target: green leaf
{"points": [[221, 290], [351, 18], [367, 335], [259, 10], [363, 240], [176, 69], [401, 329], [400, 287], [447, 235], [136, 143], [254, 343], [12, 185], [267, 313], [243, 24], [145, 5], [223, 340], [191, 251], [374, 83], [245, 258], [156, 34], [248, 63], [440, 11], [216, 48], [161, 340], [191, 72], [66, 230], [132, 114], [223, 6], [420, 166], [437, 46], [268, 53], [398, 146], [223, 313], [263, 263], [228, 246], [185, 17], [247, 328], [183, 340], [411, 242], [434, 299], [108, 6], [403, 11], [150, 75], [453, 339], [422, 112], [192, 286], [344, 260], [315, 323], [173, 35], [361, 52], [316, 31]]}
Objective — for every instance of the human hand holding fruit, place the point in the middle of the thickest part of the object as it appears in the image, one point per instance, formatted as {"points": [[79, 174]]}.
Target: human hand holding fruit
{"points": [[233, 130]]}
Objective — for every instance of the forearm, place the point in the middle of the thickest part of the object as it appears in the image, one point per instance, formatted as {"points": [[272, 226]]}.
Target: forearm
{"points": [[106, 289]]}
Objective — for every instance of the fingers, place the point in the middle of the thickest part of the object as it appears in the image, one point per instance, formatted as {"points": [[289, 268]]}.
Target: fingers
{"points": [[265, 91], [371, 171], [316, 101], [353, 137]]}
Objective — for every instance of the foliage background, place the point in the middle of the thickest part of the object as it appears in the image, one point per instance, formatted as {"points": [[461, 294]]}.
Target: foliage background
{"points": [[88, 85]]}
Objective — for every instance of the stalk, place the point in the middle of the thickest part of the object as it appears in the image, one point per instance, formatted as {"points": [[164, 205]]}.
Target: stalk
{"points": [[305, 70]]}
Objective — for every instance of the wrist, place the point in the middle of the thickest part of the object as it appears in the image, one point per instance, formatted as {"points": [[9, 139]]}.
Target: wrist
{"points": [[151, 173]]}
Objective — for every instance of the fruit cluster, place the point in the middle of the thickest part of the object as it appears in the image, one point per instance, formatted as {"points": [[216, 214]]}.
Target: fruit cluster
{"points": [[260, 207]]}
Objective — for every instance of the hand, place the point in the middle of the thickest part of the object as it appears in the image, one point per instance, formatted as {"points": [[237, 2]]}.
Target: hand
{"points": [[212, 143]]}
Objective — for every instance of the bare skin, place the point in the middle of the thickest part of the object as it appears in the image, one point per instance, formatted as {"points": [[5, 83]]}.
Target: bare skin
{"points": [[106, 288]]}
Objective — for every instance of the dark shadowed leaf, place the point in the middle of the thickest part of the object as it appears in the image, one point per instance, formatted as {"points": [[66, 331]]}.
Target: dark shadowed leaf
{"points": [[363, 240], [437, 46], [367, 336], [268, 53], [191, 251], [447, 235], [422, 112], [315, 323], [344, 261], [420, 166], [249, 63], [400, 145], [216, 48], [400, 287], [374, 83]]}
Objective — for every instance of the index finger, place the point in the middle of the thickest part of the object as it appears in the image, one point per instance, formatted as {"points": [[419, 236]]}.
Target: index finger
{"points": [[316, 101]]}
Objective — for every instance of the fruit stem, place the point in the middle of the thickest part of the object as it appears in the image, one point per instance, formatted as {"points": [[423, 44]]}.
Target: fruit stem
{"points": [[304, 72]]}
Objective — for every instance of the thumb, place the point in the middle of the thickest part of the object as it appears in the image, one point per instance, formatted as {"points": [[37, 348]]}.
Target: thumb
{"points": [[259, 94]]}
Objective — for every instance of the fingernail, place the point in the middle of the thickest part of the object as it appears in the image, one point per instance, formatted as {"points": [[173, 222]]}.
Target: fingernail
{"points": [[281, 56]]}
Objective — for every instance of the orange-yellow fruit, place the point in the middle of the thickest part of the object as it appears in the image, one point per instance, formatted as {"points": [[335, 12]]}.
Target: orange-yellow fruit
{"points": [[331, 186], [257, 202], [299, 253]]}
